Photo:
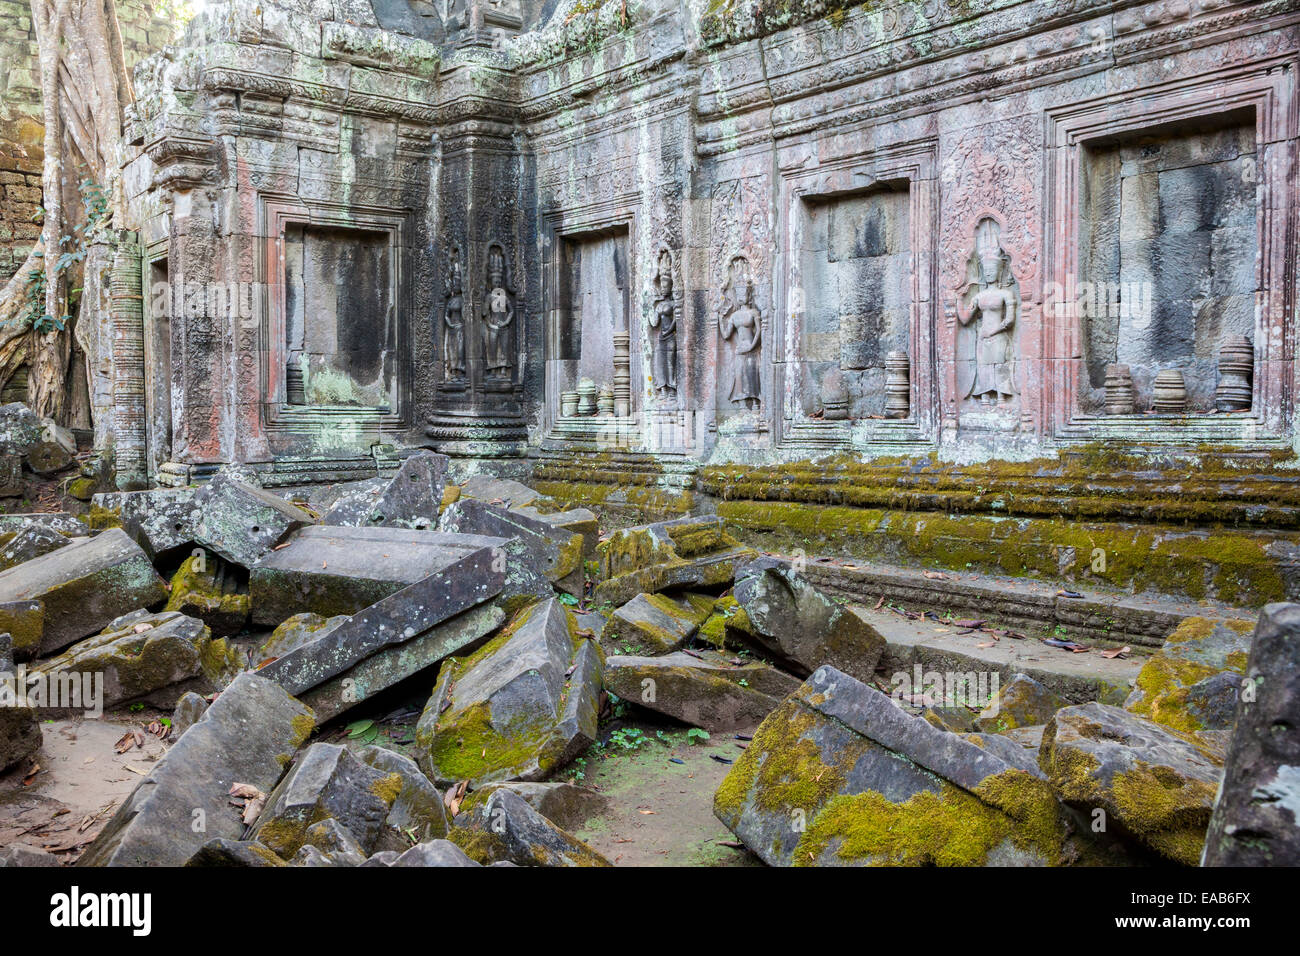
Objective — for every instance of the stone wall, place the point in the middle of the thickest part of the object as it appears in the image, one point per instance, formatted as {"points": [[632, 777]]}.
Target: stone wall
{"points": [[741, 234]]}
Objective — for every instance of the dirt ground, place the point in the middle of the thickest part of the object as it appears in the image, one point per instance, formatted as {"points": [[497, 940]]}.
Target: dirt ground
{"points": [[60, 801]]}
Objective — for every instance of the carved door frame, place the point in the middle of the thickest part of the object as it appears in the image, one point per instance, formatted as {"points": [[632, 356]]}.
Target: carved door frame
{"points": [[916, 164], [1264, 90]]}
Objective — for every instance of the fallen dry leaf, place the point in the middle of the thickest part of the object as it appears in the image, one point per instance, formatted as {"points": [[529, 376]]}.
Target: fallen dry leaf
{"points": [[1117, 652]]}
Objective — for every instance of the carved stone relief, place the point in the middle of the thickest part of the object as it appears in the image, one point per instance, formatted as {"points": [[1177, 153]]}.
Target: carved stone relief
{"points": [[988, 306], [664, 316], [741, 325], [498, 317], [453, 320]]}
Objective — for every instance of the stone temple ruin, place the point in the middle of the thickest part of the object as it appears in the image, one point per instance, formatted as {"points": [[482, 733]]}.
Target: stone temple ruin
{"points": [[807, 363]]}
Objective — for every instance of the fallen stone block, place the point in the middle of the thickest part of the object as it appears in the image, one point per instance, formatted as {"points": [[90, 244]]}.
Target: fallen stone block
{"points": [[792, 618], [11, 476], [1256, 821], [705, 691], [294, 632], [1021, 702], [397, 662], [54, 450], [241, 522], [327, 782], [248, 735], [581, 521], [535, 550], [59, 521], [686, 553], [501, 491], [162, 520], [20, 728], [503, 828], [567, 805], [207, 588], [20, 428], [84, 586], [333, 842], [24, 622], [156, 659], [227, 852], [518, 708], [20, 855], [188, 710], [418, 809], [840, 775], [465, 574], [655, 623], [341, 570], [410, 499], [30, 542], [1155, 785], [1191, 684]]}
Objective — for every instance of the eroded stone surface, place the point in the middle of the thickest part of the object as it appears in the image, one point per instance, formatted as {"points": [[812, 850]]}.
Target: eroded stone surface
{"points": [[249, 735], [84, 586]]}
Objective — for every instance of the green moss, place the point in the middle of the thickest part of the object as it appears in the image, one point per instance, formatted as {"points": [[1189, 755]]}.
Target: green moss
{"points": [[1168, 811], [387, 788], [302, 726], [99, 518], [948, 828]]}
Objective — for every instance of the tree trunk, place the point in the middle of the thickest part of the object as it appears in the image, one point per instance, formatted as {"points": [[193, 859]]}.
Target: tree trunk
{"points": [[84, 84]]}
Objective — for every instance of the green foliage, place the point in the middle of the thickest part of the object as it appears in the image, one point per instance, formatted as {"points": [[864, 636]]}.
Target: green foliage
{"points": [[71, 252], [695, 735]]}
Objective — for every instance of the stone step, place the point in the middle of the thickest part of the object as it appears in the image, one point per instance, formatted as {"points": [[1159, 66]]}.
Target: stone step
{"points": [[935, 646], [1113, 618]]}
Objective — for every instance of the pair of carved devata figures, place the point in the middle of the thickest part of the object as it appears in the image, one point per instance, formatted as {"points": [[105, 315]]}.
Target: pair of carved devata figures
{"points": [[739, 323], [988, 301], [498, 317]]}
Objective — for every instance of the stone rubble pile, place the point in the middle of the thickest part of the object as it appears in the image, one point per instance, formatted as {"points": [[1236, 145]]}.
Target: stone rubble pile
{"points": [[525, 623]]}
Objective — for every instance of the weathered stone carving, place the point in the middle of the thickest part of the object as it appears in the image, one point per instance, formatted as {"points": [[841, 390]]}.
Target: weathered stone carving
{"points": [[1119, 390], [663, 322], [898, 387], [991, 296], [453, 320], [1170, 393], [741, 324], [498, 316], [1236, 365]]}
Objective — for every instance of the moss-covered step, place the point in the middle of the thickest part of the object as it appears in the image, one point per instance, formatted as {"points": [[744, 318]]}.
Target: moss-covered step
{"points": [[1090, 612], [24, 622], [153, 658], [797, 621], [1154, 785], [450, 573], [84, 586], [1256, 821], [341, 570], [518, 708], [1246, 566], [410, 499], [1193, 682], [685, 553], [655, 623], [249, 735], [840, 775], [703, 689]]}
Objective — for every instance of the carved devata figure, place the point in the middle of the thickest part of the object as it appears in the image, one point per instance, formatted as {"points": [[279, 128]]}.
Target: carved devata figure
{"points": [[453, 318], [741, 324], [663, 320], [991, 300], [498, 316]]}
